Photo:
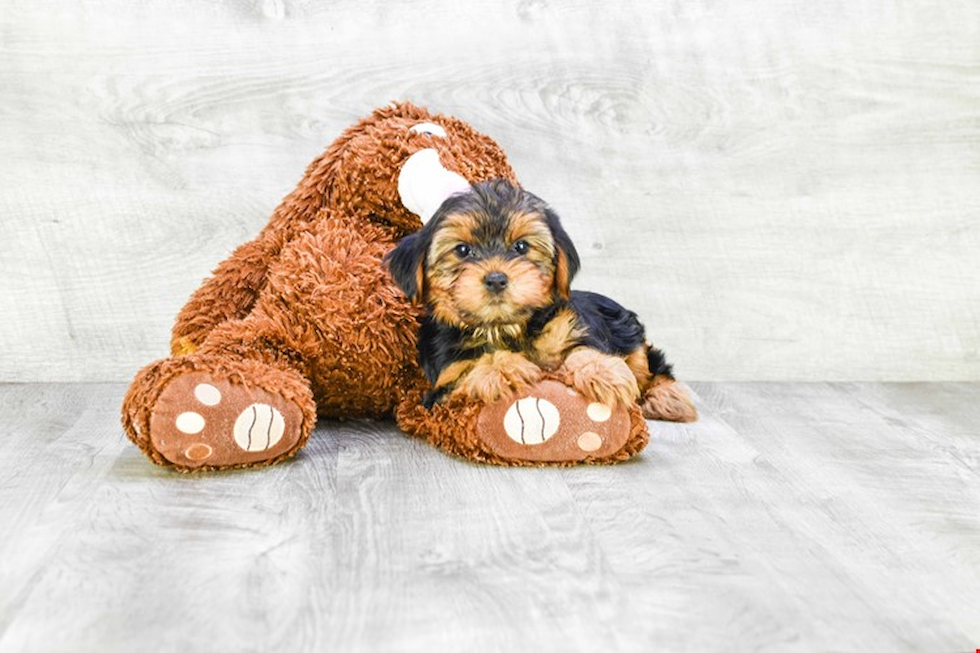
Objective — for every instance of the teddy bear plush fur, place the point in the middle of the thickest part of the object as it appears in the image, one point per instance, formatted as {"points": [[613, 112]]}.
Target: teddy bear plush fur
{"points": [[304, 320]]}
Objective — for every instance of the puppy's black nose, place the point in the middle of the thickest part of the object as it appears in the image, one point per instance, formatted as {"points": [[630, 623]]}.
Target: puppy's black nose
{"points": [[495, 281]]}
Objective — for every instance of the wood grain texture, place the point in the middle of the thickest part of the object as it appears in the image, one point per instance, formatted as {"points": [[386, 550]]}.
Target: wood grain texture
{"points": [[782, 189], [792, 517]]}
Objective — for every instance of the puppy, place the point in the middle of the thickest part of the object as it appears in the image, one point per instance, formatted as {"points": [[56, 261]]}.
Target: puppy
{"points": [[493, 266]]}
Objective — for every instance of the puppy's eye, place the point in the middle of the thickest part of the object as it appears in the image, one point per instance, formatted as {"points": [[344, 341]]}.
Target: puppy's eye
{"points": [[521, 247], [462, 250]]}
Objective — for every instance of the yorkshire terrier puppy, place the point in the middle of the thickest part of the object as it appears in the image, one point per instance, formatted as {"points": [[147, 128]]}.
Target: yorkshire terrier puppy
{"points": [[493, 266]]}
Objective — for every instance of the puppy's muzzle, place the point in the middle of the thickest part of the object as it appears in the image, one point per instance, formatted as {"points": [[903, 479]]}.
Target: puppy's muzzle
{"points": [[495, 282]]}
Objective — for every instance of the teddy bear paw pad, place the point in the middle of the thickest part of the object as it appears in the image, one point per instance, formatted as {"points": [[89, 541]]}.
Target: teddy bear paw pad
{"points": [[551, 422], [199, 420]]}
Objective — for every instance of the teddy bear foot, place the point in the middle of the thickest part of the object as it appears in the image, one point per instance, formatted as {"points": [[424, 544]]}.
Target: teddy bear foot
{"points": [[203, 422], [553, 423], [547, 423]]}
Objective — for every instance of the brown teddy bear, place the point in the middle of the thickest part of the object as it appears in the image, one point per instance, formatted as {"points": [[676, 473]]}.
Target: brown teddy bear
{"points": [[305, 320]]}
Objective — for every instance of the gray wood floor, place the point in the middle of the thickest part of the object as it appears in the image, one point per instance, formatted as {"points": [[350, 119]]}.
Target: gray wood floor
{"points": [[792, 517]]}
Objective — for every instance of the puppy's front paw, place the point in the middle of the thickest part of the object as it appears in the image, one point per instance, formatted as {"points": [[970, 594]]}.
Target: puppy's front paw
{"points": [[497, 376], [601, 377]]}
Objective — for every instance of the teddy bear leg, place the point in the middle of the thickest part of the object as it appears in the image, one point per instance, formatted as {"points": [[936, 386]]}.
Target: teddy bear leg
{"points": [[213, 410], [547, 423], [228, 294]]}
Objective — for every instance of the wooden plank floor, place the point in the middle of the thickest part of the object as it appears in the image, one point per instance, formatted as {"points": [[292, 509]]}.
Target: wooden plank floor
{"points": [[791, 517]]}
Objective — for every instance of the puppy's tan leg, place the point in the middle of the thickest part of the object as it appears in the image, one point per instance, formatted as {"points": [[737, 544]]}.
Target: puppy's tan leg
{"points": [[661, 397], [496, 376], [640, 367], [601, 377]]}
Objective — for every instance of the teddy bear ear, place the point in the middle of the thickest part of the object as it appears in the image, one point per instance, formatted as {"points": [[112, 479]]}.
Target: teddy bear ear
{"points": [[424, 184], [406, 263]]}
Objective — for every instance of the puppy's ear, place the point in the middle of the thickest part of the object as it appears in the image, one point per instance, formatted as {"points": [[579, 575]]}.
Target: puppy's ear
{"points": [[407, 265], [566, 256]]}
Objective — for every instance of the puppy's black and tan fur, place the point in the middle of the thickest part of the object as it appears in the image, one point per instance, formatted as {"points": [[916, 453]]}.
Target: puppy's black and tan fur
{"points": [[493, 267]]}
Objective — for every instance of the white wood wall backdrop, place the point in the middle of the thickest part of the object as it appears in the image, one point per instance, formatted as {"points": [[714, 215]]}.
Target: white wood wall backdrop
{"points": [[783, 189]]}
